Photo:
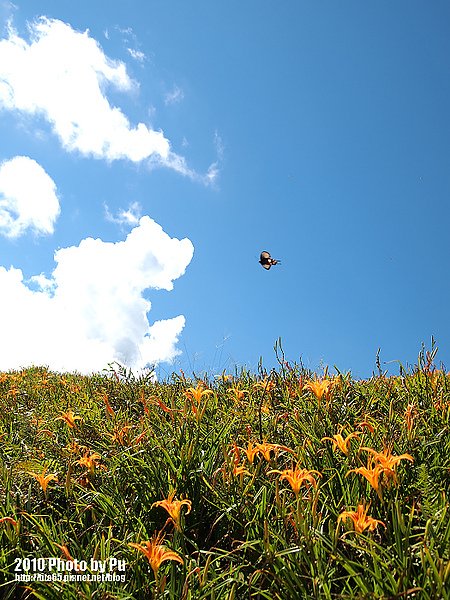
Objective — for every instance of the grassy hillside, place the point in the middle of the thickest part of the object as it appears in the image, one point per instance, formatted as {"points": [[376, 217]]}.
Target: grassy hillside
{"points": [[272, 485]]}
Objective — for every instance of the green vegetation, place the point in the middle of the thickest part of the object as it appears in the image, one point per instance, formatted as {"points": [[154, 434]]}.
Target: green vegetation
{"points": [[279, 485]]}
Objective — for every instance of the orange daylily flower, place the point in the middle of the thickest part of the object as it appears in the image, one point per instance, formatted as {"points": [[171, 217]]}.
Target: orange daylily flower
{"points": [[120, 434], [237, 469], [43, 479], [69, 418], [361, 520], [240, 470], [298, 477], [237, 392], [411, 413], [90, 460], [156, 552], [320, 388], [251, 451], [372, 476], [343, 444], [173, 507], [387, 461], [265, 449], [197, 393]]}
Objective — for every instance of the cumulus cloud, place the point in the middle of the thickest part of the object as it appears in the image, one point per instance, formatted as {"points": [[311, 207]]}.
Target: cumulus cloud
{"points": [[62, 74], [28, 198], [91, 310]]}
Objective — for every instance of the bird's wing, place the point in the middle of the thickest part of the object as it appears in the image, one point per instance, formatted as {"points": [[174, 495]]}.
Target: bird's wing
{"points": [[264, 255], [267, 265]]}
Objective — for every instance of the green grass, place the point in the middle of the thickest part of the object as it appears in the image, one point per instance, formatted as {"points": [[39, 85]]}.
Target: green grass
{"points": [[247, 535]]}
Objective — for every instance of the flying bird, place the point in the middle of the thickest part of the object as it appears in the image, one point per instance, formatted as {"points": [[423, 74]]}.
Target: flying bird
{"points": [[266, 260]]}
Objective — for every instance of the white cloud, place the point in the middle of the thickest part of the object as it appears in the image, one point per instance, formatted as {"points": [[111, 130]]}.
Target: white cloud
{"points": [[43, 283], [178, 163], [174, 96], [7, 8], [62, 74], [218, 143], [162, 338], [28, 198], [125, 217], [137, 55], [91, 310]]}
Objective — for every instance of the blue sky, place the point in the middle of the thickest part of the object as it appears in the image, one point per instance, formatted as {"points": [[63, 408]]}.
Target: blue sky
{"points": [[151, 150]]}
